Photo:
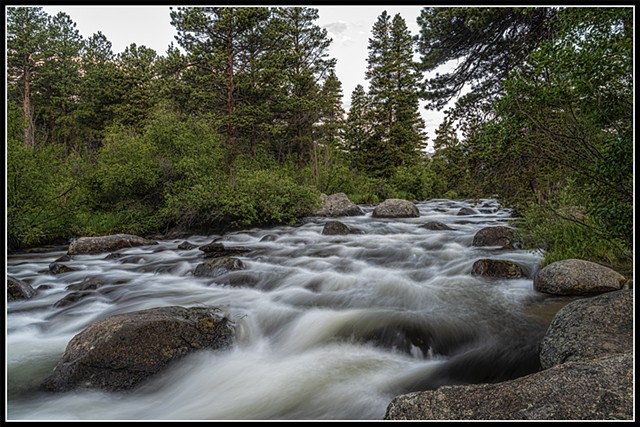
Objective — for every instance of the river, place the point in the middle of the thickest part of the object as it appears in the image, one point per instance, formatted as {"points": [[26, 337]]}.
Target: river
{"points": [[328, 327]]}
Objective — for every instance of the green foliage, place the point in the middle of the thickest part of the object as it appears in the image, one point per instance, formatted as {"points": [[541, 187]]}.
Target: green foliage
{"points": [[562, 228], [268, 197], [127, 168], [394, 131], [486, 42], [248, 197], [41, 201], [413, 182]]}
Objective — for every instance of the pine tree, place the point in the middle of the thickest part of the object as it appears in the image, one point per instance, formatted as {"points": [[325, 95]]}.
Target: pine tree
{"points": [[397, 129], [358, 127], [27, 44], [98, 91], [59, 88], [136, 69], [331, 125], [304, 63], [213, 38]]}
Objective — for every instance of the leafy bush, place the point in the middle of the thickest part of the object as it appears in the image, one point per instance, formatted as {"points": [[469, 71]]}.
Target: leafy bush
{"points": [[413, 182], [41, 190], [267, 197], [564, 229]]}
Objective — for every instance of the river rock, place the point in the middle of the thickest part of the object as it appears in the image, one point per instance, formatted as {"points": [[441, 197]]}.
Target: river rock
{"points": [[215, 249], [93, 245], [89, 283], [121, 351], [396, 208], [467, 211], [601, 389], [73, 297], [589, 328], [57, 268], [215, 267], [497, 269], [186, 245], [337, 205], [494, 236], [436, 226], [18, 289], [577, 277], [333, 228]]}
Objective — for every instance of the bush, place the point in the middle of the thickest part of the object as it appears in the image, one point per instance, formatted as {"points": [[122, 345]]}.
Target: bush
{"points": [[413, 182], [564, 229], [41, 191], [267, 197]]}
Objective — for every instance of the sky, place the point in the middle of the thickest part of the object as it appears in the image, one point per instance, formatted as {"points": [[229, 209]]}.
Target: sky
{"points": [[348, 26]]}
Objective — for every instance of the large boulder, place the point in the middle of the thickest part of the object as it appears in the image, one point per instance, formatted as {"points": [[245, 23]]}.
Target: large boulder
{"points": [[577, 277], [337, 205], [497, 269], [94, 245], [396, 208], [121, 351], [589, 328], [18, 289], [601, 389], [494, 236]]}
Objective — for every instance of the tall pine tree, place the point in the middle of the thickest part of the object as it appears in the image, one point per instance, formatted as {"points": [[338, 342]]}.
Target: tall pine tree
{"points": [[304, 64], [213, 38], [358, 128], [27, 49], [397, 135]]}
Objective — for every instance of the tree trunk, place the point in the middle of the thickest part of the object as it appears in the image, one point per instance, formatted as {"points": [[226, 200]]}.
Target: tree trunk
{"points": [[29, 139], [231, 128]]}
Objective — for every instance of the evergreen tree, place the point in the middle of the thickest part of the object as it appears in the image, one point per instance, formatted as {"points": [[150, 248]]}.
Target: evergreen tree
{"points": [[135, 78], [27, 50], [304, 63], [59, 88], [213, 38], [397, 129], [358, 127], [487, 44], [331, 126], [98, 91]]}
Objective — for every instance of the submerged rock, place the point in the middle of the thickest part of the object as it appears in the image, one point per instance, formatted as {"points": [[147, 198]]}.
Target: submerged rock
{"points": [[333, 228], [218, 266], [436, 226], [467, 211], [497, 268], [18, 289], [121, 351], [186, 245], [215, 249], [57, 268]]}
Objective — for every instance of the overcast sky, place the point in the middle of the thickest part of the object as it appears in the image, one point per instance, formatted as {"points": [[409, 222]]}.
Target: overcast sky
{"points": [[348, 26]]}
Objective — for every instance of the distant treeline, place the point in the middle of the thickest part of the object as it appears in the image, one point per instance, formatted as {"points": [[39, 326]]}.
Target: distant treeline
{"points": [[244, 124]]}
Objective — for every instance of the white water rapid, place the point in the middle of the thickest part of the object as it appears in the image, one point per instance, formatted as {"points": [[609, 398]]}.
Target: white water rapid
{"points": [[328, 327]]}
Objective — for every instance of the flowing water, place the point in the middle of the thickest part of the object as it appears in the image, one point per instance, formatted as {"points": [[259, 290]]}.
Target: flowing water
{"points": [[328, 327]]}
